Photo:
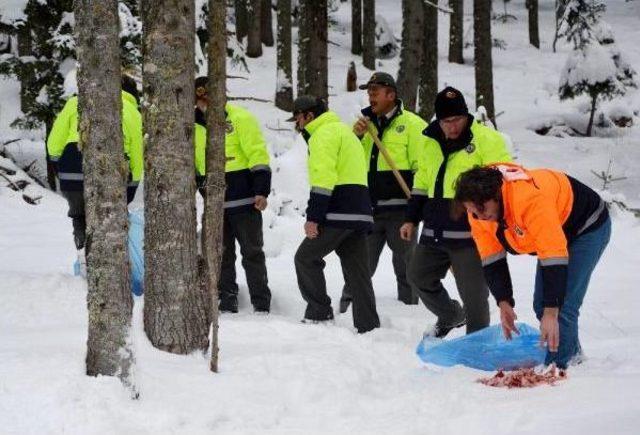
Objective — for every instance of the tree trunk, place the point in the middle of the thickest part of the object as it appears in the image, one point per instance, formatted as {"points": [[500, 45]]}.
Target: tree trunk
{"points": [[109, 298], [242, 19], [312, 48], [352, 78], [411, 52], [284, 75], [483, 63], [456, 31], [174, 309], [254, 46], [215, 162], [369, 34], [534, 36], [594, 103], [356, 27], [429, 66], [266, 27], [561, 5]]}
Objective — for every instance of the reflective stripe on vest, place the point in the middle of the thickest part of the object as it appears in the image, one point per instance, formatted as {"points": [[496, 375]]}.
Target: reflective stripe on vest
{"points": [[349, 217], [448, 234], [238, 202], [397, 201], [70, 176]]}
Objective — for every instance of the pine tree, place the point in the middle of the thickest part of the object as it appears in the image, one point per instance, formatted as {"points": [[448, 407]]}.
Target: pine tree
{"points": [[429, 65], [456, 31], [369, 34], [356, 27], [254, 44], [534, 36], [284, 79], [483, 61], [411, 52], [266, 23], [312, 48]]}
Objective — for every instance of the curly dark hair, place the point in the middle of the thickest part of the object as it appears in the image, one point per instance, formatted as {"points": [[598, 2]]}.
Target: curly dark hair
{"points": [[478, 185]]}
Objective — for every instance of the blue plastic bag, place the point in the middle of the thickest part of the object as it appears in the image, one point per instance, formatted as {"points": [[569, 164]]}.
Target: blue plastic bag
{"points": [[136, 252], [486, 349]]}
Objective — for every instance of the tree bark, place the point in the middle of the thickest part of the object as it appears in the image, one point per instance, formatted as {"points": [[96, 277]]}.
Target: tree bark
{"points": [[267, 26], [174, 309], [109, 300], [534, 36], [215, 162], [312, 49], [429, 67], [594, 104], [411, 52], [456, 31], [284, 75], [482, 50], [254, 45], [369, 34], [356, 27], [242, 19]]}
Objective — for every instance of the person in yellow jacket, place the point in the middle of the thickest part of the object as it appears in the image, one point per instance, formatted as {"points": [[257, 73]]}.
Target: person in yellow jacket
{"points": [[248, 181], [338, 214], [455, 143], [62, 146], [401, 133]]}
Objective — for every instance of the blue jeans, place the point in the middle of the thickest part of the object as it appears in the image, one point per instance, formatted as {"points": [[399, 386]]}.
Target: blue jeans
{"points": [[584, 254]]}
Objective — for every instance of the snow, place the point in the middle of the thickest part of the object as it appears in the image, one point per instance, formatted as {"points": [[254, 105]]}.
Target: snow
{"points": [[280, 376], [589, 66]]}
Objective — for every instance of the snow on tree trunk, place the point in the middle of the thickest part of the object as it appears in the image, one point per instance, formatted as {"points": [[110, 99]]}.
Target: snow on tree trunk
{"points": [[254, 45], [456, 31], [174, 310], [266, 27], [284, 80], [482, 51], [369, 34], [411, 52], [215, 162], [242, 19], [534, 36], [429, 65], [312, 48], [356, 27], [109, 298]]}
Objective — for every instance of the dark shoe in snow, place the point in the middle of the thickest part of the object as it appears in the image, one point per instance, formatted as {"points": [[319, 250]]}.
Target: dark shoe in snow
{"points": [[440, 331], [228, 305], [261, 311], [344, 305]]}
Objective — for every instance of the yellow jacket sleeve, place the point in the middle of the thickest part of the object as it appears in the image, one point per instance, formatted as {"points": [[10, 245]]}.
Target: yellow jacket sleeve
{"points": [[132, 139], [200, 143], [60, 132]]}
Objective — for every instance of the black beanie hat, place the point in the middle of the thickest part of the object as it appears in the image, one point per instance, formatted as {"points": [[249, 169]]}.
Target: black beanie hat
{"points": [[450, 102]]}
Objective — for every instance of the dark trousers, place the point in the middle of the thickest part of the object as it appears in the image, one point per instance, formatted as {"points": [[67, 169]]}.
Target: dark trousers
{"points": [[429, 266], [351, 248], [386, 230], [246, 228]]}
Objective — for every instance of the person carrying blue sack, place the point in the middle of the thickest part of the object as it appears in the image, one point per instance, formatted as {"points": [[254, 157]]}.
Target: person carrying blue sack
{"points": [[545, 213]]}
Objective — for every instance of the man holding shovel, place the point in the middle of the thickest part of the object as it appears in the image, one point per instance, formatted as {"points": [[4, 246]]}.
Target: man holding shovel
{"points": [[390, 175]]}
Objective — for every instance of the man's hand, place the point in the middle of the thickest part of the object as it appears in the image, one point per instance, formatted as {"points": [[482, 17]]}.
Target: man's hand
{"points": [[407, 231], [508, 319], [311, 230], [260, 202], [360, 127], [549, 329]]}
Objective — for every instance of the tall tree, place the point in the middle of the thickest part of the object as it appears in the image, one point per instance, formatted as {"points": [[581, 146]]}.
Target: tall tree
{"points": [[175, 317], [369, 34], [534, 35], [215, 162], [411, 52], [356, 27], [284, 79], [456, 31], [254, 45], [266, 26], [242, 19], [482, 51], [99, 104], [429, 66], [312, 48], [560, 6]]}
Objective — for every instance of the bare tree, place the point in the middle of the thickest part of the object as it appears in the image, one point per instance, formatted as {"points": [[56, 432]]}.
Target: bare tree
{"points": [[175, 317], [266, 23], [456, 31], [215, 161], [534, 35], [411, 52], [369, 34], [356, 27], [312, 48], [284, 80], [109, 298], [482, 51], [429, 66], [254, 45], [242, 19]]}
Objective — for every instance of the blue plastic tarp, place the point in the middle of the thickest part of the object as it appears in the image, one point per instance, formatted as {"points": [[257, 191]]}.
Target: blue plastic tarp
{"points": [[486, 349]]}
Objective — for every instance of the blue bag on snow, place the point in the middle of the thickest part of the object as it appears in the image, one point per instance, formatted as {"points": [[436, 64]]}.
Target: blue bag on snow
{"points": [[486, 349], [136, 252]]}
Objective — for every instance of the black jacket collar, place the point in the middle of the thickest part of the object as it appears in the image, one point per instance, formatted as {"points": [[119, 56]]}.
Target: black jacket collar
{"points": [[434, 131]]}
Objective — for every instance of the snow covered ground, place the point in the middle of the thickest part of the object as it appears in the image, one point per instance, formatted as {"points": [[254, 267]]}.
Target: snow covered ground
{"points": [[280, 376]]}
